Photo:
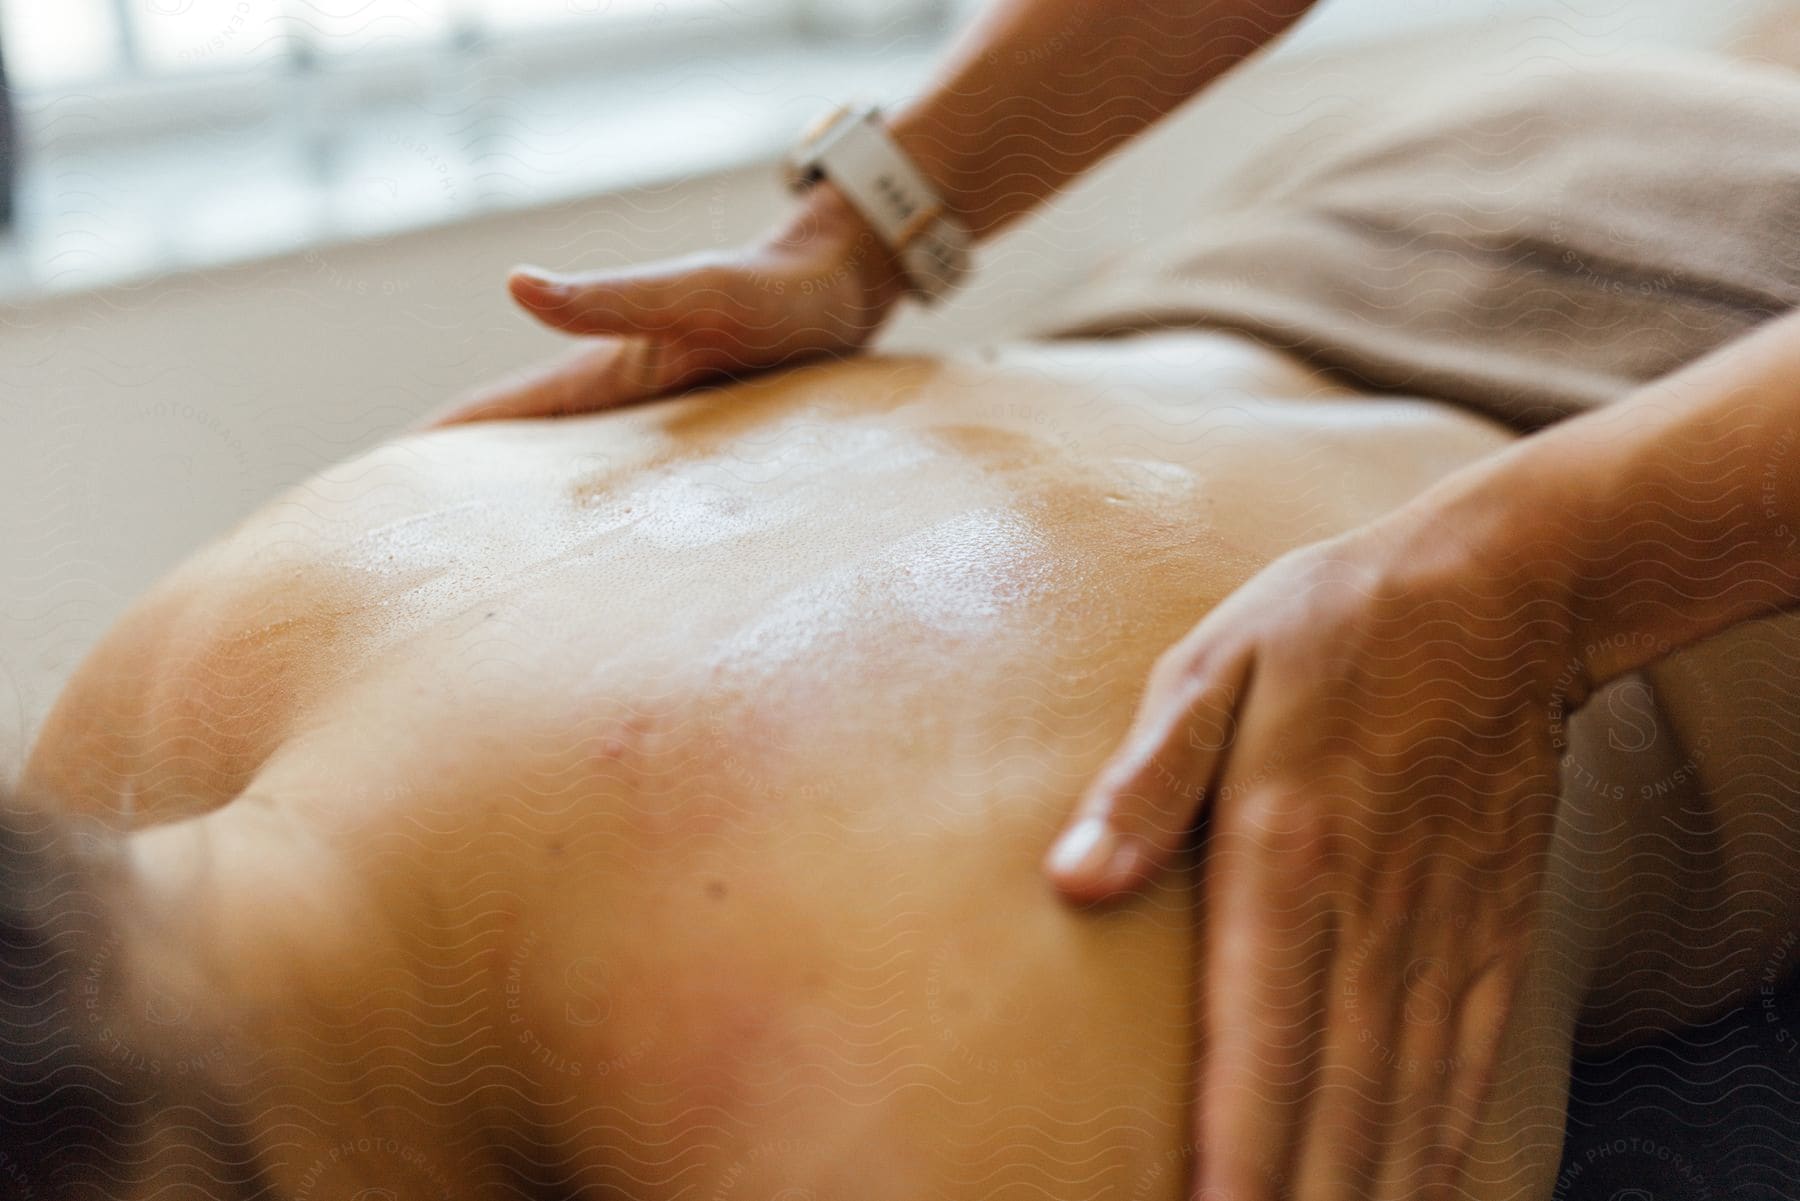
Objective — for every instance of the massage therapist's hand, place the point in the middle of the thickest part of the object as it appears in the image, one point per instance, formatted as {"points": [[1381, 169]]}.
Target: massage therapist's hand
{"points": [[1007, 119], [1366, 724], [821, 284]]}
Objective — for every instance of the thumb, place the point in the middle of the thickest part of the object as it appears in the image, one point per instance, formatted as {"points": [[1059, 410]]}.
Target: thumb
{"points": [[658, 299], [1137, 814]]}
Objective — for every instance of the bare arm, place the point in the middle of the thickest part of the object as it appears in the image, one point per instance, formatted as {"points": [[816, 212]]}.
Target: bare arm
{"points": [[1682, 526], [1032, 95], [1037, 91], [1370, 723], [1685, 501]]}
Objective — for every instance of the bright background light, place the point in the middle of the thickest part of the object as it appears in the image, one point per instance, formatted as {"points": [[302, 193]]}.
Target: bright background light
{"points": [[51, 44]]}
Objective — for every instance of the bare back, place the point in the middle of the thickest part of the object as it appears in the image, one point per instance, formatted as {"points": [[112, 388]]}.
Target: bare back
{"points": [[698, 758]]}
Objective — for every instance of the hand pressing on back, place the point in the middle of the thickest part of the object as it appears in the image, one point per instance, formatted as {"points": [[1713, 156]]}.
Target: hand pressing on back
{"points": [[1366, 726], [821, 284]]}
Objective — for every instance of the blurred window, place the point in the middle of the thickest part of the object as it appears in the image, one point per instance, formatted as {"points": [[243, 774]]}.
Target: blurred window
{"points": [[154, 134], [62, 44]]}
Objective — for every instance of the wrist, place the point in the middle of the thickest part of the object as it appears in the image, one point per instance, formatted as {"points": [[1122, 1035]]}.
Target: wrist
{"points": [[942, 148], [1612, 522], [1499, 535], [824, 220]]}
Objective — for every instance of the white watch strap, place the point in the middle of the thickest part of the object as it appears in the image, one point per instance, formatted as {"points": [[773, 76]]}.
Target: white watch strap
{"points": [[864, 163]]}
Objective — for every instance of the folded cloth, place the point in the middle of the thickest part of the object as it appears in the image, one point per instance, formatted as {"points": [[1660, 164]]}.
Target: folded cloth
{"points": [[1526, 246]]}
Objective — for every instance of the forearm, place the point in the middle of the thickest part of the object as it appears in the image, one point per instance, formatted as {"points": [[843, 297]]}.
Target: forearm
{"points": [[1036, 91], [1694, 523], [1662, 522], [1657, 521]]}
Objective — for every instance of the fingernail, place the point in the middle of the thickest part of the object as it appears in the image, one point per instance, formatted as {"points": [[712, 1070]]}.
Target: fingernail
{"points": [[542, 280], [1084, 850]]}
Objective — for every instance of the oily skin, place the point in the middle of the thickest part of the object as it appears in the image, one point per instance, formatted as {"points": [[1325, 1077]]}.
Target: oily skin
{"points": [[659, 797]]}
